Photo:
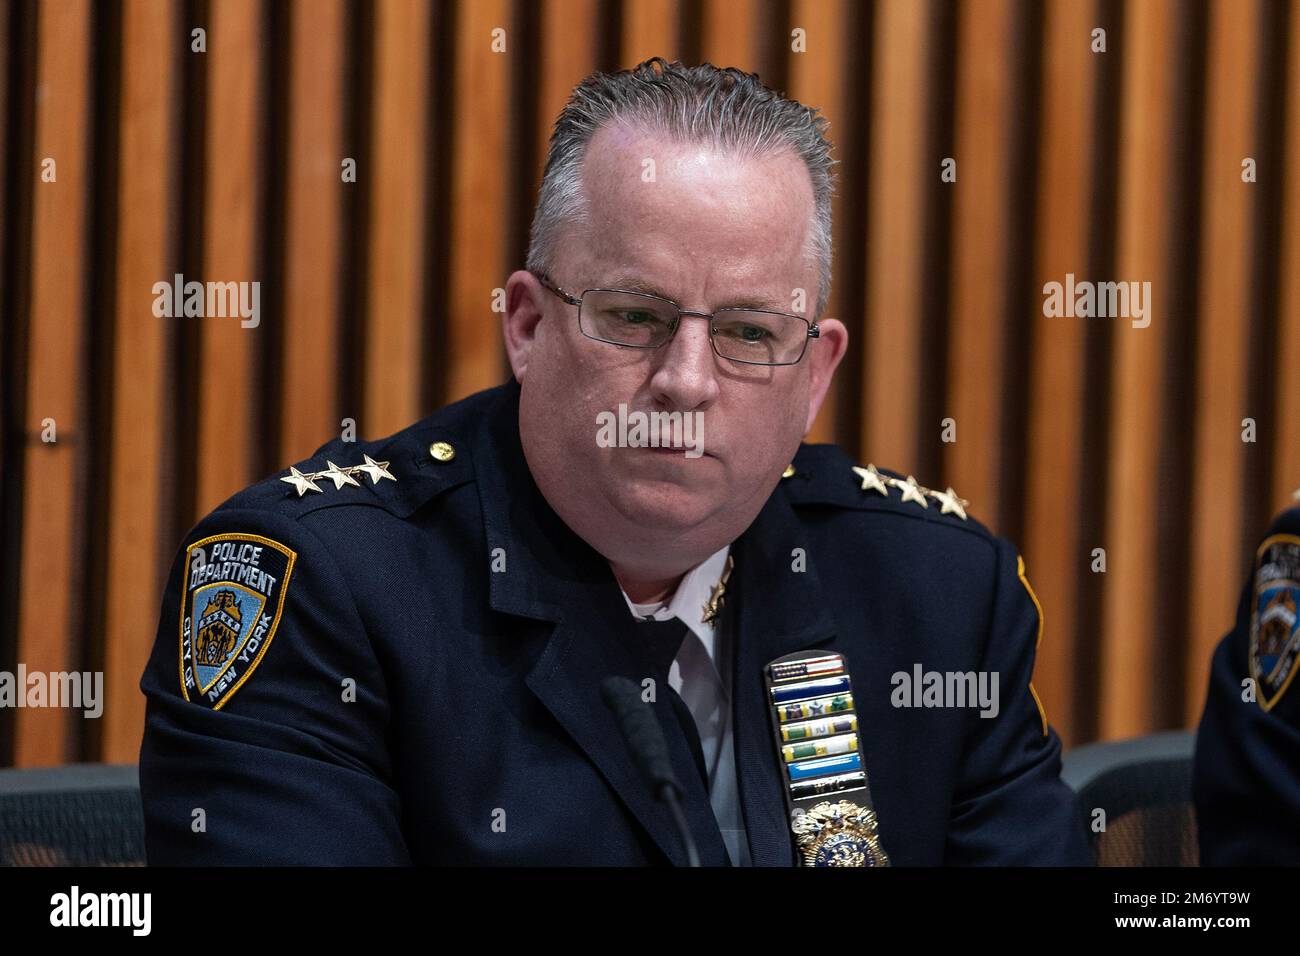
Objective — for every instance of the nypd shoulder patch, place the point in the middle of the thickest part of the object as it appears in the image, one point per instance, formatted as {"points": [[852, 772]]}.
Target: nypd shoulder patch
{"points": [[1274, 634], [235, 586]]}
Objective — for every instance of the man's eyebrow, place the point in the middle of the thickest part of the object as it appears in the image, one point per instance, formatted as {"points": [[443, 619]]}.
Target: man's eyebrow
{"points": [[632, 284], [626, 283]]}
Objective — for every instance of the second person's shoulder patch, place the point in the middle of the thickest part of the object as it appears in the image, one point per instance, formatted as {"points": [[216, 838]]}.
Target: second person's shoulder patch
{"points": [[232, 599], [1274, 634]]}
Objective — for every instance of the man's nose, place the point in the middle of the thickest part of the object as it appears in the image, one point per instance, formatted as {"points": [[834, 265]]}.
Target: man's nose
{"points": [[686, 378]]}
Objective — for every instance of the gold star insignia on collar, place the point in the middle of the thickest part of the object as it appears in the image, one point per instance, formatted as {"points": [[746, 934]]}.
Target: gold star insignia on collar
{"points": [[340, 478], [871, 480], [952, 504], [911, 490], [714, 606], [303, 483], [375, 469]]}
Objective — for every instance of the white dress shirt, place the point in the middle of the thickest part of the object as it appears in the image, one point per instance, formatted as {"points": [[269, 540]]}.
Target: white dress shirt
{"points": [[701, 674]]}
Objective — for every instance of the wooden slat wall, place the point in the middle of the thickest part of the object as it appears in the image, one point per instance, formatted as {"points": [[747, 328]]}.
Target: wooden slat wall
{"points": [[1143, 242], [817, 78], [981, 200], [228, 367], [397, 147], [310, 410], [134, 566], [1054, 548], [377, 297], [732, 33], [650, 28], [1286, 473], [47, 609], [568, 51], [903, 171], [479, 195], [1223, 346]]}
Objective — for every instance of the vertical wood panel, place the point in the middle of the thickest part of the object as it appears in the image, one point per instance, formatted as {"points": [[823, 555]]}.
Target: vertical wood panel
{"points": [[50, 512], [817, 79], [1055, 557], [979, 296], [650, 28], [1133, 549], [479, 198], [227, 369], [396, 291], [732, 32], [135, 562], [1224, 335], [313, 209], [902, 170], [568, 53], [7, 106], [17, 180], [1286, 469]]}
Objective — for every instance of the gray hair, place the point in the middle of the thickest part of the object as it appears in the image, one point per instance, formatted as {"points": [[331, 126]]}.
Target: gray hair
{"points": [[728, 108]]}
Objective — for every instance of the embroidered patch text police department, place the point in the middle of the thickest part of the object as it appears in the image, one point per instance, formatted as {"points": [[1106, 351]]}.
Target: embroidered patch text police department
{"points": [[234, 591]]}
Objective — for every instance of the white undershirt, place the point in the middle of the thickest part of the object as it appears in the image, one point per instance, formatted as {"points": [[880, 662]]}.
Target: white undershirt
{"points": [[704, 682]]}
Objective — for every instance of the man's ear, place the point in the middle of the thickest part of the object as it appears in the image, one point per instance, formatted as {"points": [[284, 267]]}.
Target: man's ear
{"points": [[524, 299], [824, 354]]}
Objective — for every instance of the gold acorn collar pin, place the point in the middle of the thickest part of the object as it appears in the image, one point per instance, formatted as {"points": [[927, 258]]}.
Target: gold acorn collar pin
{"points": [[950, 502], [305, 482], [718, 596]]}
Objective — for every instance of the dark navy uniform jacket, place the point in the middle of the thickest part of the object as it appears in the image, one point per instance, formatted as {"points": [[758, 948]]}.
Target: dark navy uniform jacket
{"points": [[1246, 776], [424, 686]]}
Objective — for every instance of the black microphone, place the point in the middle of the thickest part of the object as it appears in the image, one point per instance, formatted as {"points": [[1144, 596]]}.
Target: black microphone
{"points": [[645, 739]]}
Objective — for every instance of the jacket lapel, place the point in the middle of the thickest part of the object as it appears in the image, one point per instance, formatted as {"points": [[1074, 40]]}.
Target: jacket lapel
{"points": [[554, 576], [567, 679], [778, 611]]}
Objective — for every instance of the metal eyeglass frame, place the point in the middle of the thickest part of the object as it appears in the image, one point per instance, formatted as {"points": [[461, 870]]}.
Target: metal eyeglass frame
{"points": [[813, 330]]}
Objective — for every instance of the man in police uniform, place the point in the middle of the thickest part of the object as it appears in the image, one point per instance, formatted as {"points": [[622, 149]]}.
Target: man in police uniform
{"points": [[398, 651], [1246, 777]]}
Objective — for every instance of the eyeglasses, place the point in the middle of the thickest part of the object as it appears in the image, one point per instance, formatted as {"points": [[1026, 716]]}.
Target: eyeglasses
{"points": [[641, 321]]}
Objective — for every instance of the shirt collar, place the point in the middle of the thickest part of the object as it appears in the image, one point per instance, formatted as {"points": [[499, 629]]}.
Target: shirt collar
{"points": [[689, 600]]}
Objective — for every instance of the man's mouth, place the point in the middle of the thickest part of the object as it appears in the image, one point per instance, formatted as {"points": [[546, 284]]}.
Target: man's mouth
{"points": [[666, 449], [665, 452]]}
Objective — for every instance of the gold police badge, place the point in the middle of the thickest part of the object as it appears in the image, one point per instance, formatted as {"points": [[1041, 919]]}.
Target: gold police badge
{"points": [[838, 834]]}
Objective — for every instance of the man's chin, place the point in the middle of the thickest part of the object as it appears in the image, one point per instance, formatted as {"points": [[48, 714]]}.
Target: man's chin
{"points": [[666, 506]]}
